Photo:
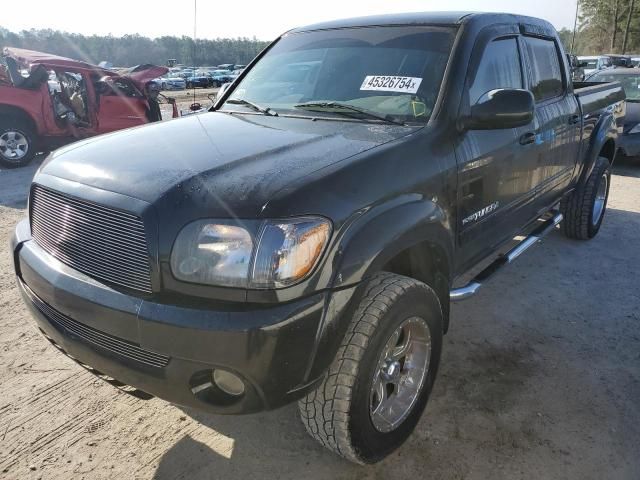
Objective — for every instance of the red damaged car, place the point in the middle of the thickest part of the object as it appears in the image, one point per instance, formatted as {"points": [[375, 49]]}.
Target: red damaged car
{"points": [[47, 101]]}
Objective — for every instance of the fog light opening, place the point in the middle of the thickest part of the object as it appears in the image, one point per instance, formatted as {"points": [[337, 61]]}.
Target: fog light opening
{"points": [[228, 382]]}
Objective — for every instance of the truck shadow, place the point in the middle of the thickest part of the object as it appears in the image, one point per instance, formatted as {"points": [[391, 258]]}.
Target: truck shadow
{"points": [[265, 445], [627, 166]]}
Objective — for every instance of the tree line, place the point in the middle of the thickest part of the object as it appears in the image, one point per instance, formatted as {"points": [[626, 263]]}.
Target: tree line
{"points": [[130, 50], [605, 26]]}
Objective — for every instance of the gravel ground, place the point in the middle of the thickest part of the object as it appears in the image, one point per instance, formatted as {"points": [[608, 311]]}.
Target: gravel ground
{"points": [[540, 378]]}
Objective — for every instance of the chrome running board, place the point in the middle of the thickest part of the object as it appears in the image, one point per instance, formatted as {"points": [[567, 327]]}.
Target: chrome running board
{"points": [[471, 288]]}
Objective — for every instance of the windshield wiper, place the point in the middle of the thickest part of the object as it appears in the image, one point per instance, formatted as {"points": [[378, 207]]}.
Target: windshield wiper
{"points": [[345, 108], [257, 108]]}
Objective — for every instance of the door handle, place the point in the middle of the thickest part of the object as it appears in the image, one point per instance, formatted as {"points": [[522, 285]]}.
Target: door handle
{"points": [[573, 119], [527, 138]]}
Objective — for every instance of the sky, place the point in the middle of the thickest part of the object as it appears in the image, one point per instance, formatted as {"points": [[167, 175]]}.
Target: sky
{"points": [[229, 19]]}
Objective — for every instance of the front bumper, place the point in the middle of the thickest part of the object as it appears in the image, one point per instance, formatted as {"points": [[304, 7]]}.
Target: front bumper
{"points": [[630, 144], [169, 351]]}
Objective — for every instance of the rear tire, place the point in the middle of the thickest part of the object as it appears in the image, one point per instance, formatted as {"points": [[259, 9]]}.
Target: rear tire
{"points": [[583, 210], [17, 143], [345, 413]]}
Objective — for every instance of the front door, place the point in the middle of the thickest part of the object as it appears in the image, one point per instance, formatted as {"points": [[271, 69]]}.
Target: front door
{"points": [[120, 105], [494, 166]]}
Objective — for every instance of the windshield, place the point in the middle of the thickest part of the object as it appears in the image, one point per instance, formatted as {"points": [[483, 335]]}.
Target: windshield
{"points": [[630, 84], [392, 72], [591, 64]]}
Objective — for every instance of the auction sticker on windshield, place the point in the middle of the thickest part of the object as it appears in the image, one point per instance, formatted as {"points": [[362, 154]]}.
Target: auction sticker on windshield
{"points": [[385, 83]]}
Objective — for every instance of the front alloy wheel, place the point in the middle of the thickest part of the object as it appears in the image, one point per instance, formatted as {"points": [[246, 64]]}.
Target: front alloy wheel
{"points": [[402, 367], [381, 377]]}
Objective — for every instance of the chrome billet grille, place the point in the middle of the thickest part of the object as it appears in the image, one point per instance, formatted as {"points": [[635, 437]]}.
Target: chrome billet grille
{"points": [[95, 337], [103, 243]]}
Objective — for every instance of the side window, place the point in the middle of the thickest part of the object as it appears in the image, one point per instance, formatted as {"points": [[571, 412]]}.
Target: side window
{"points": [[546, 73], [499, 68]]}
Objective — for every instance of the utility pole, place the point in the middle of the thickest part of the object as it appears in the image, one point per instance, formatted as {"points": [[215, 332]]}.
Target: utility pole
{"points": [[626, 30], [615, 25], [575, 26]]}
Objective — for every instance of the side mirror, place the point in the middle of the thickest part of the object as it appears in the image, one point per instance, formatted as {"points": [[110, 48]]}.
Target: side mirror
{"points": [[501, 109]]}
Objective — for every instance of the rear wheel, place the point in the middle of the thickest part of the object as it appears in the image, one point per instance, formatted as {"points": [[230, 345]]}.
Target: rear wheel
{"points": [[17, 143], [584, 208], [380, 380]]}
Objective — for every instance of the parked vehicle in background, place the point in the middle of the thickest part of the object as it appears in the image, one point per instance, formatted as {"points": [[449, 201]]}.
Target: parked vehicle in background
{"points": [[239, 67], [620, 61], [186, 73], [226, 66], [305, 241], [629, 78], [171, 82], [220, 77], [199, 81], [47, 101], [594, 63]]}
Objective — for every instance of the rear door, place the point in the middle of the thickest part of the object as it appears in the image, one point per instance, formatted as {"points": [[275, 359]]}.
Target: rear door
{"points": [[557, 118], [494, 166]]}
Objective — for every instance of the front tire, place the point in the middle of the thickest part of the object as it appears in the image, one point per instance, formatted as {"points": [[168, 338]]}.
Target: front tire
{"points": [[583, 210], [380, 380], [17, 143]]}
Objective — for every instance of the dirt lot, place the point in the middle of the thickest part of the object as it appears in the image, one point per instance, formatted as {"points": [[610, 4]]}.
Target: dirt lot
{"points": [[185, 98], [540, 378]]}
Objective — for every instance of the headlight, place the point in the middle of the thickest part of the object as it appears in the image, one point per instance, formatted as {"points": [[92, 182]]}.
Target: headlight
{"points": [[254, 254], [635, 129]]}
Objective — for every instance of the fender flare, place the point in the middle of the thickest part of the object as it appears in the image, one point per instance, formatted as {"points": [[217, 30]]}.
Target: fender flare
{"points": [[369, 242], [384, 231], [605, 130]]}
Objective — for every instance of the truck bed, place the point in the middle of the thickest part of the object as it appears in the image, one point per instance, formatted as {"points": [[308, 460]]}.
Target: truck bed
{"points": [[594, 96]]}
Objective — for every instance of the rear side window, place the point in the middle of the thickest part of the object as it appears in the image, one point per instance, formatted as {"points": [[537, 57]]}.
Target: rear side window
{"points": [[499, 68], [546, 74]]}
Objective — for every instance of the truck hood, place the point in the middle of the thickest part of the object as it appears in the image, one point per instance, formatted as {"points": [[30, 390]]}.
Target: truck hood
{"points": [[229, 164]]}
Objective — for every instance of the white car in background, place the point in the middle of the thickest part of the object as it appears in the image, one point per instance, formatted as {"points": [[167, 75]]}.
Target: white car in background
{"points": [[171, 82], [595, 63]]}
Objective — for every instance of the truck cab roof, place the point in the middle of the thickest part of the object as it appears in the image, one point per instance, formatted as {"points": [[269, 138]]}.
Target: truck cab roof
{"points": [[429, 18]]}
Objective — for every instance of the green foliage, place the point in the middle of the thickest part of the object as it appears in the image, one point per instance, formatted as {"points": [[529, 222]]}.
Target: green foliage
{"points": [[598, 27], [134, 49]]}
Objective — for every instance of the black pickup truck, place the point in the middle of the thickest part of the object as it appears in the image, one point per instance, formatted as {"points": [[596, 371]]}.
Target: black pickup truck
{"points": [[301, 240]]}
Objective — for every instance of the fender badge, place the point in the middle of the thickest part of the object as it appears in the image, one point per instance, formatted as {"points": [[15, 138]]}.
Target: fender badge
{"points": [[474, 217]]}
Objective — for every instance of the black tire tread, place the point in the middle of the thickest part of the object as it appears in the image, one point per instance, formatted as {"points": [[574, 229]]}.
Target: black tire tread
{"points": [[576, 208], [325, 411]]}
